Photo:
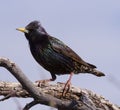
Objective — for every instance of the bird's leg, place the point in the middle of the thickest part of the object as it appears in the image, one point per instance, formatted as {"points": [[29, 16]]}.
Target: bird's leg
{"points": [[46, 80], [67, 84]]}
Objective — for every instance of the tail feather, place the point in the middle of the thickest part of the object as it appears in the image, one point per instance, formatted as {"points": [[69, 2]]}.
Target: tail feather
{"points": [[90, 69], [98, 73]]}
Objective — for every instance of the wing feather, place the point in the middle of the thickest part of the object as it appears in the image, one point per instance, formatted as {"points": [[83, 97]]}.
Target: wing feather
{"points": [[61, 48]]}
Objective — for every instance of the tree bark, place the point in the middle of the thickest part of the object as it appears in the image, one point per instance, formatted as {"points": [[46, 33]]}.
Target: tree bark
{"points": [[50, 94]]}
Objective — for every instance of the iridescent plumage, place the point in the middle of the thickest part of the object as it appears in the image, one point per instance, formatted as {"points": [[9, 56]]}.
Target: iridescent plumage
{"points": [[53, 54]]}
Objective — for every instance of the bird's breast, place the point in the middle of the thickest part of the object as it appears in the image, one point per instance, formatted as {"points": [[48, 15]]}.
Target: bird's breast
{"points": [[51, 60]]}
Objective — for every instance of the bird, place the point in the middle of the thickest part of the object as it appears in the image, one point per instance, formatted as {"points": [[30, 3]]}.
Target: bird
{"points": [[54, 55]]}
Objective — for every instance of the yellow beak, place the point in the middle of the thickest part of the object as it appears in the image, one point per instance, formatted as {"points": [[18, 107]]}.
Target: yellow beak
{"points": [[22, 30]]}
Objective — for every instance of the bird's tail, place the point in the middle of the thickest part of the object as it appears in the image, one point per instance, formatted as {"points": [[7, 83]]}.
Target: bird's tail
{"points": [[97, 73]]}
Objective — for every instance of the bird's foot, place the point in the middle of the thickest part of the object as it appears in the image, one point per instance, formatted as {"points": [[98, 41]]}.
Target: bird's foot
{"points": [[40, 82], [66, 88]]}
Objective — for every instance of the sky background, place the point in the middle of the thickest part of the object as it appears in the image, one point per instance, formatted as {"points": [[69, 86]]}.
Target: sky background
{"points": [[90, 27]]}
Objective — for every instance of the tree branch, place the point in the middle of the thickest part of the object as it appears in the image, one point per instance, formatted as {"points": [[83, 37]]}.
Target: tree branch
{"points": [[28, 85], [83, 96], [50, 94]]}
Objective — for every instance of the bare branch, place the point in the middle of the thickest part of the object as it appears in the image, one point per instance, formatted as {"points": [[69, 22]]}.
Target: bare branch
{"points": [[78, 96], [28, 85], [50, 94]]}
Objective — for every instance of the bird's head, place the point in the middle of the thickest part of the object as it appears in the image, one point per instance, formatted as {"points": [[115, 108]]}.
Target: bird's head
{"points": [[33, 30]]}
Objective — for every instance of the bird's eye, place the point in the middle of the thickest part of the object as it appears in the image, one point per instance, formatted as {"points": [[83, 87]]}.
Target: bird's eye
{"points": [[31, 30]]}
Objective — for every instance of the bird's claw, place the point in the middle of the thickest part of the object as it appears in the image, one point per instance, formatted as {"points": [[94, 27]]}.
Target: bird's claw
{"points": [[40, 82]]}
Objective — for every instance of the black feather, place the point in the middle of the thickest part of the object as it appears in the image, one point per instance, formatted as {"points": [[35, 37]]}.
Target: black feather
{"points": [[53, 54]]}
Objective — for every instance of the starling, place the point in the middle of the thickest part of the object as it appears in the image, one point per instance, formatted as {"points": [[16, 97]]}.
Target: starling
{"points": [[53, 55]]}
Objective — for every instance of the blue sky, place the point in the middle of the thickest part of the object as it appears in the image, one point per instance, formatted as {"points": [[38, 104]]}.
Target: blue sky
{"points": [[90, 27]]}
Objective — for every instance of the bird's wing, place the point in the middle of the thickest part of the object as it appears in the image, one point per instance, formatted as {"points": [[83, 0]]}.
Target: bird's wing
{"points": [[61, 48]]}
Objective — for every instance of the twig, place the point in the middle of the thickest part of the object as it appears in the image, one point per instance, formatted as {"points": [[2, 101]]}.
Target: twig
{"points": [[31, 104]]}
